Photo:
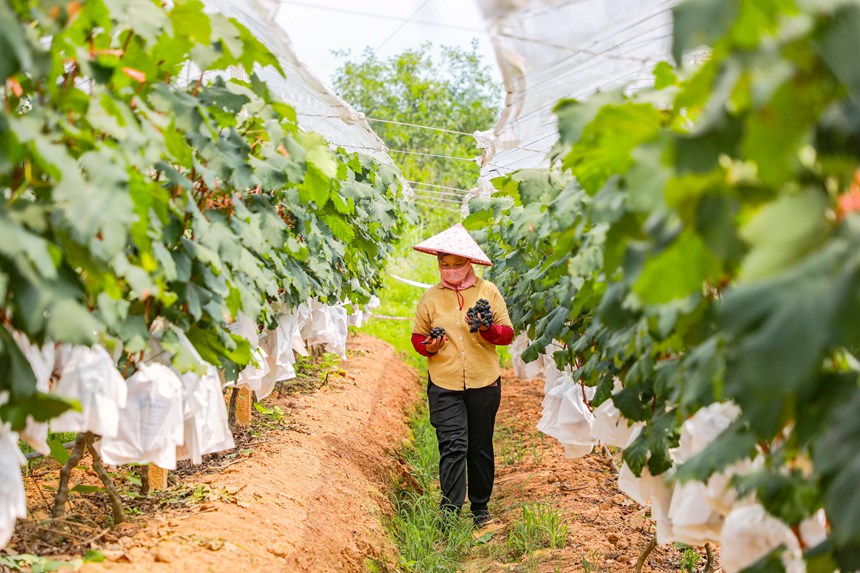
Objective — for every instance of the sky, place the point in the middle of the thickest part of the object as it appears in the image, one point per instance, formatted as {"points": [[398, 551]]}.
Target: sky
{"points": [[316, 27]]}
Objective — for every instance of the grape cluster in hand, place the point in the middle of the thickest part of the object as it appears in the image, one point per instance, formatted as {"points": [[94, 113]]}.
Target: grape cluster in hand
{"points": [[437, 332], [482, 308]]}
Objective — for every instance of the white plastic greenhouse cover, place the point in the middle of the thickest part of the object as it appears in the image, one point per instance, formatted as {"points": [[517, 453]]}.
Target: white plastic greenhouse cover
{"points": [[548, 50], [317, 107]]}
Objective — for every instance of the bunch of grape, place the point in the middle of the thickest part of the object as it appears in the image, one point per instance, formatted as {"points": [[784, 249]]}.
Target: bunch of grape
{"points": [[437, 332], [482, 308]]}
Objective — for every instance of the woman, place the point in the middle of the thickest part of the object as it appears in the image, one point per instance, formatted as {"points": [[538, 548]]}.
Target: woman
{"points": [[464, 387]]}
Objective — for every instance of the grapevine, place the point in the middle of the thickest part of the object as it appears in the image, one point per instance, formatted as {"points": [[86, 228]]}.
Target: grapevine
{"points": [[699, 252], [134, 203]]}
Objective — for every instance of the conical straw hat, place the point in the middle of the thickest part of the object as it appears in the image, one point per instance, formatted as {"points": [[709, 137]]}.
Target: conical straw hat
{"points": [[454, 241]]}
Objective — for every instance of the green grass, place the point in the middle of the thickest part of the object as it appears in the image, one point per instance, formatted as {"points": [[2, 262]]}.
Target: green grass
{"points": [[511, 448], [689, 559], [540, 526], [429, 541], [591, 562]]}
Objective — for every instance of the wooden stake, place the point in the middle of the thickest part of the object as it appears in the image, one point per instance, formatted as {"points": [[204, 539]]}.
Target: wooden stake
{"points": [[244, 401], [157, 477]]}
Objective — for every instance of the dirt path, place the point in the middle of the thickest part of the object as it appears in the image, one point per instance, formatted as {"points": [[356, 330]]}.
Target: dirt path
{"points": [[311, 497], [306, 500], [606, 530]]}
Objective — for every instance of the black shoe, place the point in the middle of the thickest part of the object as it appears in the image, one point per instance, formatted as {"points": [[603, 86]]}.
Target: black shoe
{"points": [[481, 517]]}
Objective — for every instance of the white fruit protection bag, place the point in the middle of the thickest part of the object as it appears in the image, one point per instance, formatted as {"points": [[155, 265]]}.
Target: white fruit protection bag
{"points": [[327, 325], [567, 418], [749, 534], [693, 520], [42, 363], [13, 503], [89, 375], [610, 427], [206, 429], [252, 377], [152, 421], [278, 345]]}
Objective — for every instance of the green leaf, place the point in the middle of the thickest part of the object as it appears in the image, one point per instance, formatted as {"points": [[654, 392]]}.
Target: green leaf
{"points": [[664, 76], [679, 271], [770, 563], [315, 187], [734, 444], [698, 23], [782, 327], [71, 322], [840, 44], [835, 456], [789, 496], [188, 16], [318, 153], [339, 227], [58, 451], [13, 44], [783, 232], [40, 406], [16, 376], [28, 250], [148, 20], [94, 556], [651, 446], [608, 141]]}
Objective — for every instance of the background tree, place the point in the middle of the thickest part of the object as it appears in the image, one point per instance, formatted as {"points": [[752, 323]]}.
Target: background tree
{"points": [[443, 87]]}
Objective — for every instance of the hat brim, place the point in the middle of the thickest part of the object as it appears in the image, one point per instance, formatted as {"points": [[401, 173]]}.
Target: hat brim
{"points": [[437, 252]]}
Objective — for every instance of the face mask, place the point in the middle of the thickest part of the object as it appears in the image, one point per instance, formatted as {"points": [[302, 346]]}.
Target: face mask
{"points": [[459, 278]]}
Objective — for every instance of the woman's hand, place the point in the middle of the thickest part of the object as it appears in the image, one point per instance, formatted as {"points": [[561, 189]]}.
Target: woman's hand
{"points": [[434, 344]]}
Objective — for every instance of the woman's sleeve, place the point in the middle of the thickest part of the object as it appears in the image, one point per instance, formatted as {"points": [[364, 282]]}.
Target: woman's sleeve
{"points": [[421, 328], [498, 334], [502, 331], [421, 349]]}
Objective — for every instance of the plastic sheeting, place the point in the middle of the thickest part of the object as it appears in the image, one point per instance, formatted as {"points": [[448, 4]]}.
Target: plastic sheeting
{"points": [[553, 49], [319, 109]]}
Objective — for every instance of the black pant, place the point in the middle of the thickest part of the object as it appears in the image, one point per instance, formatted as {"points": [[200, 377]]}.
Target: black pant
{"points": [[464, 422]]}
